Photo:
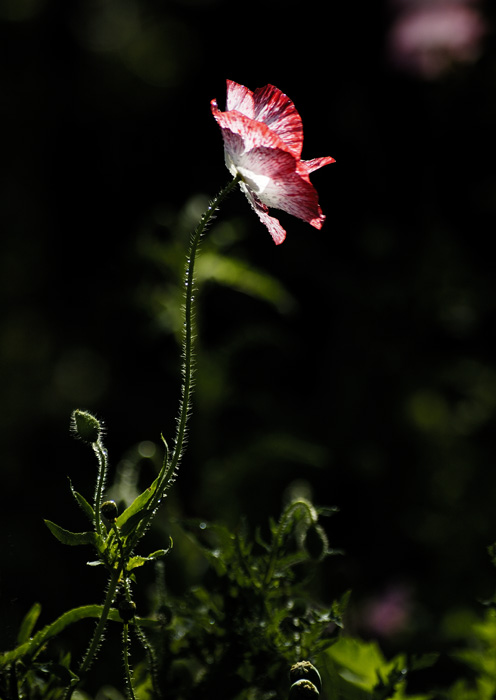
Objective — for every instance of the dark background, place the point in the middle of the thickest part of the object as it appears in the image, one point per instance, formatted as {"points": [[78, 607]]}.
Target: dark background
{"points": [[370, 373]]}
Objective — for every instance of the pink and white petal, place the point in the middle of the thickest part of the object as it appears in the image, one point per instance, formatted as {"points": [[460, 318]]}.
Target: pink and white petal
{"points": [[273, 225], [274, 108], [280, 181], [240, 98], [254, 133], [317, 163]]}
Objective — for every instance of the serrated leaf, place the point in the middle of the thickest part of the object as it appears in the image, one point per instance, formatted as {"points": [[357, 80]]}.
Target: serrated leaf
{"points": [[137, 561], [71, 538], [83, 504], [28, 623]]}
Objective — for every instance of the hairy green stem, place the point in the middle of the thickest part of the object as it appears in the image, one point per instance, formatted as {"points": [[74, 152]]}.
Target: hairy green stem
{"points": [[125, 659], [101, 454], [99, 630], [287, 517], [188, 338], [170, 466], [169, 469], [152, 661]]}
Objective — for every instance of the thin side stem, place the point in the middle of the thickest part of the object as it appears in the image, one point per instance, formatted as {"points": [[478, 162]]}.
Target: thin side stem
{"points": [[125, 658], [152, 660]]}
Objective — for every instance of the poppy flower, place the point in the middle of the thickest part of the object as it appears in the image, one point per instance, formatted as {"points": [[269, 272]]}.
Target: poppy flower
{"points": [[263, 140]]}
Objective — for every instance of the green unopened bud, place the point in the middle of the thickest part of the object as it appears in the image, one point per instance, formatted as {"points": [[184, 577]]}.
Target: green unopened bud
{"points": [[316, 542], [304, 670], [127, 610], [165, 615], [109, 510], [303, 690], [86, 426]]}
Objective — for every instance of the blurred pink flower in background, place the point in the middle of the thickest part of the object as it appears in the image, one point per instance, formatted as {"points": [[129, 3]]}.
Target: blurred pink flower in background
{"points": [[389, 613], [428, 38]]}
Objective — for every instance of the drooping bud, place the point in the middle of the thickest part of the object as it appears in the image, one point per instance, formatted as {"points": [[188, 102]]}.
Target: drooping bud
{"points": [[316, 542], [86, 426], [304, 670]]}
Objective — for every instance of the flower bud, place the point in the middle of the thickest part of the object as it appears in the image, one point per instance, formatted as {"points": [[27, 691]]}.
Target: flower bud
{"points": [[109, 510], [304, 670], [127, 610], [303, 690], [316, 542], [86, 426]]}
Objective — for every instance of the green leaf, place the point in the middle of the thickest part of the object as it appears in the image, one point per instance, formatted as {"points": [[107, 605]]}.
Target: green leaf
{"points": [[32, 647], [134, 562], [136, 506], [327, 510], [133, 520], [71, 538], [145, 504], [238, 275], [216, 542], [83, 504], [361, 663], [127, 521], [28, 623]]}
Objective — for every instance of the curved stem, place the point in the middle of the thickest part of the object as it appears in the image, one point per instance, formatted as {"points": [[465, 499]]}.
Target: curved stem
{"points": [[284, 523], [152, 661], [170, 464], [182, 420], [100, 483], [188, 339]]}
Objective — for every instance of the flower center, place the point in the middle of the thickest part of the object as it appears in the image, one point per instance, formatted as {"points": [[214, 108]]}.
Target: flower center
{"points": [[255, 181]]}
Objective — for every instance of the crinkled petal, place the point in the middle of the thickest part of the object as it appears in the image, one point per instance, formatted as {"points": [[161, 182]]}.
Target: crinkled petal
{"points": [[263, 137], [273, 225], [280, 181], [317, 163], [252, 132], [241, 99], [274, 108]]}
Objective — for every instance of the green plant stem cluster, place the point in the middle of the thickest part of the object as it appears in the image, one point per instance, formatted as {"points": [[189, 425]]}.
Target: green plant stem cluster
{"points": [[114, 536]]}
